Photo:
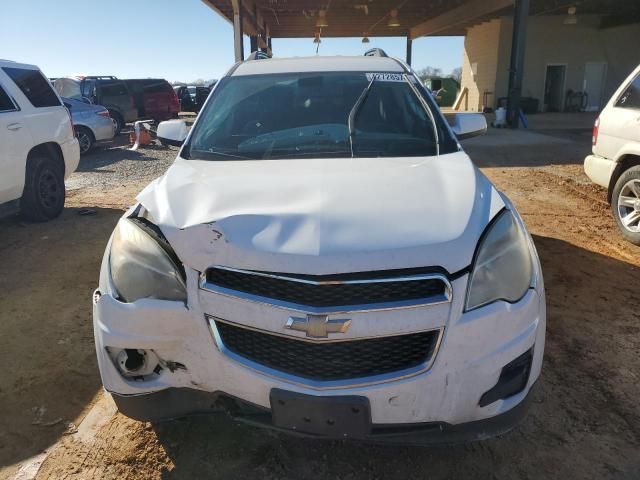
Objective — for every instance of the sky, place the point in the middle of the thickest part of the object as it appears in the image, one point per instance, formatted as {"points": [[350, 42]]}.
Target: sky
{"points": [[180, 40]]}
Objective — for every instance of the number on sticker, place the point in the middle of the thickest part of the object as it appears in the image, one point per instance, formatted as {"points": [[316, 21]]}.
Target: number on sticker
{"points": [[385, 77]]}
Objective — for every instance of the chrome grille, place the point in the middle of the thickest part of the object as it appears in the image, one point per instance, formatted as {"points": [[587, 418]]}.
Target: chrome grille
{"points": [[321, 293], [330, 361]]}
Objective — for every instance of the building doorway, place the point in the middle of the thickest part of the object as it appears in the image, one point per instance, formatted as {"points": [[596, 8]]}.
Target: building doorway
{"points": [[594, 77], [554, 88]]}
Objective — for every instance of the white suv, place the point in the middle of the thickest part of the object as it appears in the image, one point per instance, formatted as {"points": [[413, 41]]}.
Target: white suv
{"points": [[323, 258], [38, 149], [615, 163]]}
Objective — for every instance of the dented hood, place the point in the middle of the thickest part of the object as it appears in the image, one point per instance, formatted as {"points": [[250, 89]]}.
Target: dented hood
{"points": [[324, 216]]}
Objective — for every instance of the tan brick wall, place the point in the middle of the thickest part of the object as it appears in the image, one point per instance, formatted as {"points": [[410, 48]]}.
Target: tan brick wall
{"points": [[480, 48], [549, 41]]}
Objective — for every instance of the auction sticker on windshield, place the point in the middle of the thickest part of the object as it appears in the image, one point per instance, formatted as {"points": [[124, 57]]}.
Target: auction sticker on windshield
{"points": [[386, 77]]}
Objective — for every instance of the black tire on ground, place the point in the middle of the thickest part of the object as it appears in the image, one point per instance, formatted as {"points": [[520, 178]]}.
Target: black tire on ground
{"points": [[85, 139], [44, 191], [117, 118], [627, 189]]}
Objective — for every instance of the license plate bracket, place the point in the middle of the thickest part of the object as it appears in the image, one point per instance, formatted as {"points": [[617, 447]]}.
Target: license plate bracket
{"points": [[347, 416]]}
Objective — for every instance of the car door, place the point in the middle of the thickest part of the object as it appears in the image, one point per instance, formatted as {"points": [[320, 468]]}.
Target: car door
{"points": [[115, 94], [202, 93], [15, 143], [88, 90], [157, 95], [620, 120]]}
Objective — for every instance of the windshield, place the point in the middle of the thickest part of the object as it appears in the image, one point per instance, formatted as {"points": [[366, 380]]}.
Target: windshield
{"points": [[306, 115]]}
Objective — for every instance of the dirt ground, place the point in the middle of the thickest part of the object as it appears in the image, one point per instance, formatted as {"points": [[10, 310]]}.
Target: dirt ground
{"points": [[584, 422]]}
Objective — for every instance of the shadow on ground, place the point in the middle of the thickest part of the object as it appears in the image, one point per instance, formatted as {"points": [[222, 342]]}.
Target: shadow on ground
{"points": [[525, 148], [584, 421], [49, 373]]}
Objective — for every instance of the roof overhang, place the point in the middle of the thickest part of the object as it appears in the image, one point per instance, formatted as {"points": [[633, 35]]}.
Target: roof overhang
{"points": [[416, 18]]}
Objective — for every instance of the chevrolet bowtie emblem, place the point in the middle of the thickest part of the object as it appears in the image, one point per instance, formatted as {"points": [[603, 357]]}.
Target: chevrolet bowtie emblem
{"points": [[318, 326]]}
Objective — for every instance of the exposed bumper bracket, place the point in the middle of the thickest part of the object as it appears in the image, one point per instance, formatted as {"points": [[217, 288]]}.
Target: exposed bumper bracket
{"points": [[179, 402]]}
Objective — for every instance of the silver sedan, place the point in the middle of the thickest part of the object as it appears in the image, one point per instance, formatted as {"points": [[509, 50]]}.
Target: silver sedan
{"points": [[91, 123]]}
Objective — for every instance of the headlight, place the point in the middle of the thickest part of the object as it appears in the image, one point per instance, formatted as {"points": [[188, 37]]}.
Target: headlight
{"points": [[502, 269], [142, 263]]}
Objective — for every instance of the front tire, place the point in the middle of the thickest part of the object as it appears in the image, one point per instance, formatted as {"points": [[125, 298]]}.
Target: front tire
{"points": [[85, 139], [118, 120], [625, 204], [44, 190]]}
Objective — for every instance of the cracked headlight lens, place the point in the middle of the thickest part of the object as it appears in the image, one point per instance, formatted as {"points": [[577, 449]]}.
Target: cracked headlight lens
{"points": [[143, 264], [502, 269]]}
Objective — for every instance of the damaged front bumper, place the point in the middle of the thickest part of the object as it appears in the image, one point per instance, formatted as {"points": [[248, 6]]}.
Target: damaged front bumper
{"points": [[440, 404], [179, 402]]}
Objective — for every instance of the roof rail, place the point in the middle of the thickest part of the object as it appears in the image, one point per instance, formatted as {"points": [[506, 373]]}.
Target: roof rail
{"points": [[101, 77], [375, 52], [258, 55]]}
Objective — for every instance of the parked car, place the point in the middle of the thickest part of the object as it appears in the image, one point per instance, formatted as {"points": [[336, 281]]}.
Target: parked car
{"points": [[445, 90], [108, 91], [92, 123], [154, 98], [38, 149], [615, 161], [323, 258], [192, 98]]}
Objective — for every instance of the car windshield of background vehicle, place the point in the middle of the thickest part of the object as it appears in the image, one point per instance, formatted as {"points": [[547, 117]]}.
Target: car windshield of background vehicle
{"points": [[157, 87], [114, 89], [631, 96], [305, 115], [34, 86], [6, 105]]}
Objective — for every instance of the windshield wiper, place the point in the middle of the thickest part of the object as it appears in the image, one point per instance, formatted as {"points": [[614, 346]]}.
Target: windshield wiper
{"points": [[216, 153], [351, 123], [317, 153]]}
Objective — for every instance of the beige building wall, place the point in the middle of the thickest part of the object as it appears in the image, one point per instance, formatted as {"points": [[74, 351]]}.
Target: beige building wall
{"points": [[480, 63], [549, 41]]}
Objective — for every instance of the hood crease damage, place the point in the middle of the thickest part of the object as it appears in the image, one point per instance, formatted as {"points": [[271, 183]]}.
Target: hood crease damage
{"points": [[327, 215]]}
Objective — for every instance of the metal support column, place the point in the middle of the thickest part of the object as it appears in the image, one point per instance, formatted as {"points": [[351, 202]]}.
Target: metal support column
{"points": [[409, 46], [263, 42], [238, 40], [253, 40], [518, 45]]}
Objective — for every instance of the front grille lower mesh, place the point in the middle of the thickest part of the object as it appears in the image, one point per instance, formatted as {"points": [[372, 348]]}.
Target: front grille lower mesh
{"points": [[330, 361], [327, 295]]}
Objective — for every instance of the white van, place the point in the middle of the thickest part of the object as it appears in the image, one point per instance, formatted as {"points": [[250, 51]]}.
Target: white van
{"points": [[38, 149], [615, 162]]}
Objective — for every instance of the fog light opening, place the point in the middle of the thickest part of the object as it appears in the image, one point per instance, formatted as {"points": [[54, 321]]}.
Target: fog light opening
{"points": [[132, 360], [136, 363], [513, 379]]}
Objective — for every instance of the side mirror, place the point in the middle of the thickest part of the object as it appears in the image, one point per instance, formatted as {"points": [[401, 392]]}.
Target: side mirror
{"points": [[172, 132], [467, 125]]}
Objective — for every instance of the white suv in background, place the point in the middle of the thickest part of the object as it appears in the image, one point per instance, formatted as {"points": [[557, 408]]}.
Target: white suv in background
{"points": [[38, 149], [615, 163]]}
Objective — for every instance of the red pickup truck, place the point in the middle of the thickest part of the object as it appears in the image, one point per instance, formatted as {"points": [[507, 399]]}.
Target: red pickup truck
{"points": [[154, 98]]}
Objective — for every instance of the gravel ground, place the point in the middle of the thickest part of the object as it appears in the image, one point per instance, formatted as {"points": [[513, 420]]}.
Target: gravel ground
{"points": [[584, 422], [115, 165]]}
